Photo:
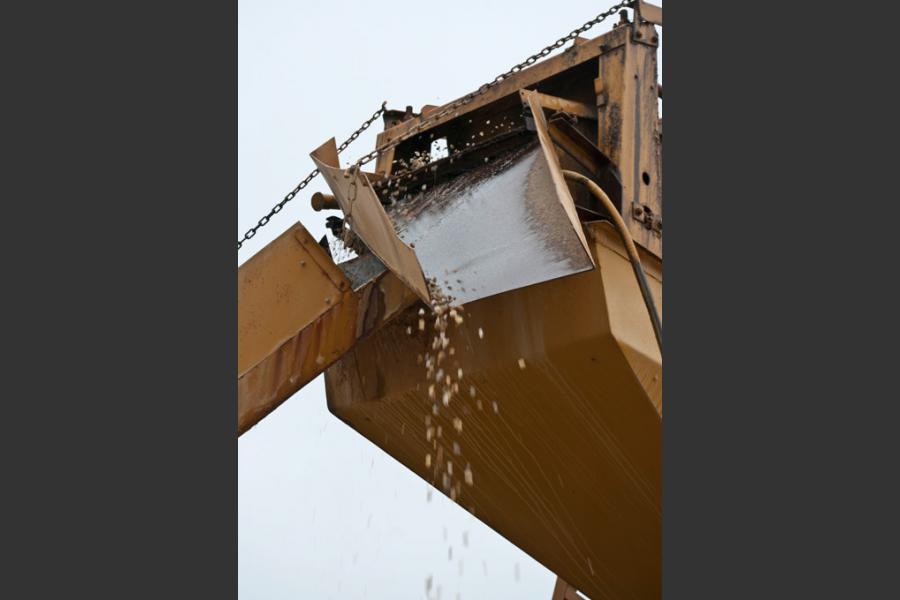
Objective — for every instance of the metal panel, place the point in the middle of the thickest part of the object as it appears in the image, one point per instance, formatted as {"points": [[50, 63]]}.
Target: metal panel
{"points": [[366, 216], [297, 314], [559, 183], [569, 466], [282, 289], [629, 130]]}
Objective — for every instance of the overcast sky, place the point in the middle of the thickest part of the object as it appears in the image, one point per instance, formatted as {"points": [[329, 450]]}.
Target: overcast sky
{"points": [[322, 512]]}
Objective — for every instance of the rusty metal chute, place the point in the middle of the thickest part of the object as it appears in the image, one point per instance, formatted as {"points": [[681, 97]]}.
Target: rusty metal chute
{"points": [[507, 222], [568, 468], [563, 395]]}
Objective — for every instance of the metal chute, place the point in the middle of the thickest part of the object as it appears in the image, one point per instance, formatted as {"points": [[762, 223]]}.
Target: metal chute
{"points": [[557, 369], [506, 223], [361, 207]]}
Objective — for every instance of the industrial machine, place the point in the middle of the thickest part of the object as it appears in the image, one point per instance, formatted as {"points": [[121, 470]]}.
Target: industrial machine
{"points": [[498, 330]]}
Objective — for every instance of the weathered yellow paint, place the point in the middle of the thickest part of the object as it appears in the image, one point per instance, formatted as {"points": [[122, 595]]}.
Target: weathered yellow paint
{"points": [[569, 468], [297, 314], [629, 130]]}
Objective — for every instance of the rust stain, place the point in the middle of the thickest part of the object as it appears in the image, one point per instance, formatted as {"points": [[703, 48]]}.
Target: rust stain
{"points": [[613, 133], [374, 308], [317, 345]]}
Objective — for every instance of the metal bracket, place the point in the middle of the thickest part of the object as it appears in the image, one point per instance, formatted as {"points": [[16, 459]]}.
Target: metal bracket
{"points": [[644, 33], [642, 30], [644, 215]]}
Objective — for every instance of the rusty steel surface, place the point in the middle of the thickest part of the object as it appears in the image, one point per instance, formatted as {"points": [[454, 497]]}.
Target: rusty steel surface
{"points": [[320, 201], [629, 129], [369, 221], [568, 468], [297, 314], [285, 287]]}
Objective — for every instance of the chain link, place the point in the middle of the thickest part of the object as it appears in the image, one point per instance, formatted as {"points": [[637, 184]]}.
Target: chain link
{"points": [[444, 111], [277, 208], [499, 78]]}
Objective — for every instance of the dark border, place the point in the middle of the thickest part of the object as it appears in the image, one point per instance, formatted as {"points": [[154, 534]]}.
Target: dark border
{"points": [[120, 441], [779, 441], [119, 217]]}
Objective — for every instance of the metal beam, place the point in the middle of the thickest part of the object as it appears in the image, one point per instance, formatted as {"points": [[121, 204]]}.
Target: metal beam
{"points": [[629, 134], [524, 79], [297, 315]]}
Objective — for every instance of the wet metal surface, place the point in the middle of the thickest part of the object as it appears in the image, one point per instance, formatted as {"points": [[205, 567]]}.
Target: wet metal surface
{"points": [[362, 269], [495, 228]]}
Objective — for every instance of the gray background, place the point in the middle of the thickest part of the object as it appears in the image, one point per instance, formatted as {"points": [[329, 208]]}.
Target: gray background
{"points": [[323, 513]]}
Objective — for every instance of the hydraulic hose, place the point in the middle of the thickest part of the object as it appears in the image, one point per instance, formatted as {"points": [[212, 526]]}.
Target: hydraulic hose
{"points": [[629, 247]]}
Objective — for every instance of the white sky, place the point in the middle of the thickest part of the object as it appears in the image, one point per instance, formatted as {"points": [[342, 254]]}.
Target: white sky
{"points": [[322, 512]]}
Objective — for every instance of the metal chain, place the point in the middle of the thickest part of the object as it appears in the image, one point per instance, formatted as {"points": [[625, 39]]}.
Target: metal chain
{"points": [[446, 110], [499, 78], [277, 208]]}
